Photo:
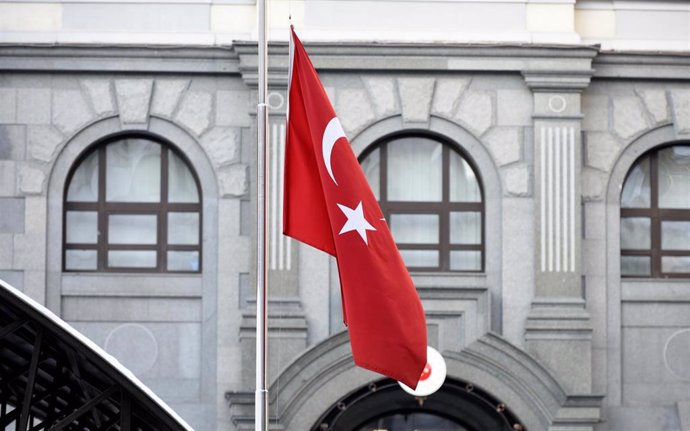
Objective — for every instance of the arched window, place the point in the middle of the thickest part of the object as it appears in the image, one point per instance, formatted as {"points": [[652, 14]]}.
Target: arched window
{"points": [[132, 203], [655, 215], [432, 200]]}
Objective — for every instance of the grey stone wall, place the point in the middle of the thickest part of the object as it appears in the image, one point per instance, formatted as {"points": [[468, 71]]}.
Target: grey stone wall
{"points": [[163, 327], [639, 324], [580, 332]]}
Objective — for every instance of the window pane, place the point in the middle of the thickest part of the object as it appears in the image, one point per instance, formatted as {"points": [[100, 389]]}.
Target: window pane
{"points": [[133, 171], [132, 229], [412, 421], [81, 260], [635, 233], [464, 186], [674, 177], [465, 228], [420, 258], [414, 228], [183, 228], [181, 184], [183, 261], [675, 264], [636, 190], [132, 259], [675, 235], [635, 265], [465, 260], [82, 227], [371, 167], [414, 170], [84, 184]]}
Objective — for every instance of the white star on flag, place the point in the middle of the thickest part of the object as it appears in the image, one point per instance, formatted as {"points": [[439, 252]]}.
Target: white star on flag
{"points": [[356, 221]]}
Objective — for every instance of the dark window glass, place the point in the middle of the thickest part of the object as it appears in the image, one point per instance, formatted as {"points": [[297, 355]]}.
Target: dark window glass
{"points": [[132, 204], [412, 421], [655, 215], [432, 200]]}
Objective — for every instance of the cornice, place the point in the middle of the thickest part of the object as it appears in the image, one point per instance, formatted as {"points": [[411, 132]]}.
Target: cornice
{"points": [[544, 66], [426, 49], [418, 57], [118, 59], [557, 80], [643, 65]]}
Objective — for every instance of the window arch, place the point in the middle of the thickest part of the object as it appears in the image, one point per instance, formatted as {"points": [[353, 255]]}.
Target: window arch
{"points": [[432, 199], [655, 215], [132, 203]]}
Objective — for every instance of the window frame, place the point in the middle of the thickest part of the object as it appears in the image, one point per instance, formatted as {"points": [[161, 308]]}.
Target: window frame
{"points": [[104, 209], [442, 208], [656, 216]]}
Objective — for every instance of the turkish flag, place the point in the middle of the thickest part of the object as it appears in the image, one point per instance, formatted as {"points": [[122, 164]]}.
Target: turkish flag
{"points": [[329, 205]]}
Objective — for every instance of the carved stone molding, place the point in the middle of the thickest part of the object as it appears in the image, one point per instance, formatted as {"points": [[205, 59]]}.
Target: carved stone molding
{"points": [[559, 334], [316, 380]]}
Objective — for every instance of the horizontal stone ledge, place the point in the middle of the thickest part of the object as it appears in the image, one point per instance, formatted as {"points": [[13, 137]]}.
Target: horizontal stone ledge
{"points": [[558, 337], [132, 285], [653, 65], [449, 280], [655, 291], [127, 59], [446, 293]]}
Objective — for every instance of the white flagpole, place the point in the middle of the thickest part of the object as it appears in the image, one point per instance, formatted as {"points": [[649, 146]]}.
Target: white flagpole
{"points": [[261, 398]]}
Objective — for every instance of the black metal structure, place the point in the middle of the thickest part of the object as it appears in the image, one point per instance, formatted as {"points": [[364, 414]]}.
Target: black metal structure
{"points": [[52, 379]]}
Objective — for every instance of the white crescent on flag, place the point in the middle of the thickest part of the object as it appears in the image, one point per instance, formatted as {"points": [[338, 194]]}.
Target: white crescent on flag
{"points": [[333, 132]]}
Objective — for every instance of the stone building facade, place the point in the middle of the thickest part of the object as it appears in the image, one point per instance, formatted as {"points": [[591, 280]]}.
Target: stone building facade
{"points": [[570, 316]]}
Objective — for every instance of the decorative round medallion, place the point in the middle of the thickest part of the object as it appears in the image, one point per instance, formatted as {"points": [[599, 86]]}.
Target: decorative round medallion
{"points": [[557, 103], [134, 346], [275, 100], [676, 354]]}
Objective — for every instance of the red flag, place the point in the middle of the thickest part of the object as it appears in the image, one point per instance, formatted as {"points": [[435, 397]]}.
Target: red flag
{"points": [[329, 205]]}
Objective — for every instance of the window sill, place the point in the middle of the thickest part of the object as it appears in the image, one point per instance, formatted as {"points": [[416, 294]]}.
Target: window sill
{"points": [[655, 290], [450, 280], [137, 285]]}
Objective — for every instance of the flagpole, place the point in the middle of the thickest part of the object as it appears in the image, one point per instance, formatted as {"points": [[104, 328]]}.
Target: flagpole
{"points": [[261, 397]]}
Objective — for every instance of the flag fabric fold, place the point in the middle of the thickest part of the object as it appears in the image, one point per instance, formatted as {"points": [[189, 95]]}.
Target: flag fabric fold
{"points": [[329, 205]]}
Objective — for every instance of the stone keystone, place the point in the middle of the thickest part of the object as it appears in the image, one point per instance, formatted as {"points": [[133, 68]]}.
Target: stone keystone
{"points": [[415, 95], [100, 94], [133, 100]]}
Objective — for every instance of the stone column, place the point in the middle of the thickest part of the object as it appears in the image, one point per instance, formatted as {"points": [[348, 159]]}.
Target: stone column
{"points": [[558, 329]]}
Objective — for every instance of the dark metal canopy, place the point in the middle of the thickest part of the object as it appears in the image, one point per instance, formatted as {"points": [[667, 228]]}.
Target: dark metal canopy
{"points": [[54, 378]]}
